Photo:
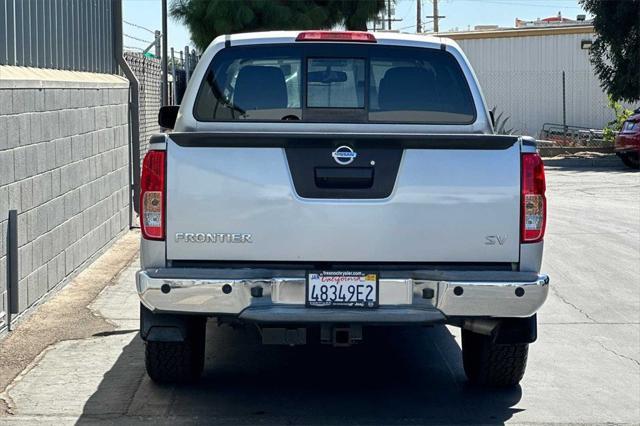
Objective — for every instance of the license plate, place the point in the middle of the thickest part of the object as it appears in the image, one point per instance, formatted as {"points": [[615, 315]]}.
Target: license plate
{"points": [[342, 288]]}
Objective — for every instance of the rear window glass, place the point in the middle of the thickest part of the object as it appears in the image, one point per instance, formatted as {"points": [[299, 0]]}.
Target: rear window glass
{"points": [[357, 83], [335, 83]]}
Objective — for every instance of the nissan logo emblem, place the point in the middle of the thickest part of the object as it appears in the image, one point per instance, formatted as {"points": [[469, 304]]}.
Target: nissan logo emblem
{"points": [[344, 155]]}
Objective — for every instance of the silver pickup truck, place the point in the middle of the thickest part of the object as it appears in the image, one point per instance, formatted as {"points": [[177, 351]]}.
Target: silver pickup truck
{"points": [[318, 183]]}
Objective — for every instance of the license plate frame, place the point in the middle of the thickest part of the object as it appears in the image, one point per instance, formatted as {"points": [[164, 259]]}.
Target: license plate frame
{"points": [[364, 278]]}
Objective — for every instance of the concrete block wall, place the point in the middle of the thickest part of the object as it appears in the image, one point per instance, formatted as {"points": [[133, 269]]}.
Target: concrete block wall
{"points": [[64, 167]]}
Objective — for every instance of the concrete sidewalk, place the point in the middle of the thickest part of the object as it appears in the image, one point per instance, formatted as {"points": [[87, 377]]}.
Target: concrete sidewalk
{"points": [[59, 383], [67, 319]]}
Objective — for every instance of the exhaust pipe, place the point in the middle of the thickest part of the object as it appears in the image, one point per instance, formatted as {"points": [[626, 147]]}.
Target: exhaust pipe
{"points": [[486, 327]]}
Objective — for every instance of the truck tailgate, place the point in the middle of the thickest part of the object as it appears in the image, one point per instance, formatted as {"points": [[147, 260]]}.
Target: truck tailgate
{"points": [[403, 198]]}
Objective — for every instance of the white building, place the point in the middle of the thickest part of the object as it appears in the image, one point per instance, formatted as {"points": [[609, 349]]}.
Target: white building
{"points": [[520, 71]]}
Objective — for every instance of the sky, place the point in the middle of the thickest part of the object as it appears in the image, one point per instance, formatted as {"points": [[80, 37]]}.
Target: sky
{"points": [[148, 14], [465, 14], [460, 15]]}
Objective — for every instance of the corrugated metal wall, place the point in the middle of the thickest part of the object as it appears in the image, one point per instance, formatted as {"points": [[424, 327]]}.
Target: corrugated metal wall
{"points": [[522, 76], [58, 34]]}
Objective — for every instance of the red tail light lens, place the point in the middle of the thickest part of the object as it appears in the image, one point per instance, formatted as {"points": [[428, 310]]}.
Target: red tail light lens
{"points": [[358, 36], [152, 199], [534, 204]]}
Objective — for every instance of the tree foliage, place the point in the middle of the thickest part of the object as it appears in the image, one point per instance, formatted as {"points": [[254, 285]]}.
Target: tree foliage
{"points": [[614, 126], [207, 19], [615, 53]]}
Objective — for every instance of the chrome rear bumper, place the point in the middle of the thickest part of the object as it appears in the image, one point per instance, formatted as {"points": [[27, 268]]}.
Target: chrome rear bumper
{"points": [[402, 300]]}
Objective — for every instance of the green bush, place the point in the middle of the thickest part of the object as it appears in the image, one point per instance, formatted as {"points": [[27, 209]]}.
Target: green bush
{"points": [[500, 126], [614, 126]]}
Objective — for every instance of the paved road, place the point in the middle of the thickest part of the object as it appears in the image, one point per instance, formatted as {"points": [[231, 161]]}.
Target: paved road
{"points": [[584, 369]]}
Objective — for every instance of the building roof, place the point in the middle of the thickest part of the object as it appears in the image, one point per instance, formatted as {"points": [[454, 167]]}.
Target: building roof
{"points": [[520, 32]]}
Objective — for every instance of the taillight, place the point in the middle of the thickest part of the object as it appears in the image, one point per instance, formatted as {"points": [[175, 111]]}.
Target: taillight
{"points": [[534, 204], [152, 190], [358, 36]]}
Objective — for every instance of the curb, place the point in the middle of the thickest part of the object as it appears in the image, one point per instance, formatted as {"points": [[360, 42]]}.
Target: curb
{"points": [[553, 151], [608, 162]]}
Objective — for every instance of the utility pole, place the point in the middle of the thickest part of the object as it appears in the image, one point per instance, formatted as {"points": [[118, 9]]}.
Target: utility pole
{"points": [[436, 17], [436, 27], [419, 16], [389, 19]]}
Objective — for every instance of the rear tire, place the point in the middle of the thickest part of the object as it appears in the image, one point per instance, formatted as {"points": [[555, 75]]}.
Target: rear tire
{"points": [[177, 362], [631, 159], [490, 364]]}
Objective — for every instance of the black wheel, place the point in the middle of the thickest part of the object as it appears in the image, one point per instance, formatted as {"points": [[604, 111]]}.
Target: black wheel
{"points": [[177, 362], [489, 364], [631, 159]]}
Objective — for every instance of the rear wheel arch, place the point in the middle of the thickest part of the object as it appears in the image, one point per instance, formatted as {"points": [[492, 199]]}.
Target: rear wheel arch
{"points": [[630, 159], [174, 346]]}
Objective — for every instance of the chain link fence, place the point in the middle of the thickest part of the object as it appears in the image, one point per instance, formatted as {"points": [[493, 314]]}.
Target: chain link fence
{"points": [[565, 136], [181, 66], [149, 73], [148, 70]]}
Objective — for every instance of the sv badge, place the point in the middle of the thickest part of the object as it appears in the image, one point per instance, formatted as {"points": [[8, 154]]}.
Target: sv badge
{"points": [[492, 240]]}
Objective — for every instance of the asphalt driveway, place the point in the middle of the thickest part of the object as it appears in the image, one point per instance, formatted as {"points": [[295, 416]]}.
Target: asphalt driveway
{"points": [[585, 367]]}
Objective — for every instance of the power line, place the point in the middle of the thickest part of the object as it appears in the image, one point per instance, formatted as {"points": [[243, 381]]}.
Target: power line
{"points": [[414, 26], [407, 27]]}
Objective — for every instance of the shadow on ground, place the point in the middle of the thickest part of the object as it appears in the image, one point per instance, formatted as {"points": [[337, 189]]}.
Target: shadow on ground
{"points": [[397, 376]]}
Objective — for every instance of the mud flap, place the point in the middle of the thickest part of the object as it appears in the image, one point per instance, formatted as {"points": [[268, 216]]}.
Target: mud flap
{"points": [[164, 327], [517, 330]]}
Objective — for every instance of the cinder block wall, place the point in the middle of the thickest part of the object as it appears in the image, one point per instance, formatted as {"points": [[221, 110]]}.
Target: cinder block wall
{"points": [[64, 167]]}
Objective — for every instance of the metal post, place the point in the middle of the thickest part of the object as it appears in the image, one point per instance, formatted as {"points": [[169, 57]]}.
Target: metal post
{"points": [[12, 267], [157, 42], [134, 107], [564, 108], [186, 63], [165, 77], [389, 14], [173, 75]]}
